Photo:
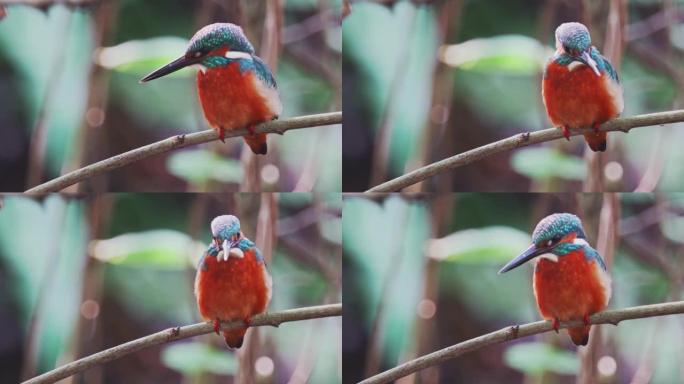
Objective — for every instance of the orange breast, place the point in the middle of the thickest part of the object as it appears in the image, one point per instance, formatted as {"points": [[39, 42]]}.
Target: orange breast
{"points": [[229, 98], [231, 290], [576, 98], [570, 288]]}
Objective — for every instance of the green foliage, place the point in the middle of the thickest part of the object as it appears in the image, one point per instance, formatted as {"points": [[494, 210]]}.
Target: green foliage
{"points": [[510, 54], [536, 358], [140, 57], [475, 246], [542, 163], [383, 42], [193, 358], [200, 166], [36, 45], [380, 239], [44, 247], [160, 249]]}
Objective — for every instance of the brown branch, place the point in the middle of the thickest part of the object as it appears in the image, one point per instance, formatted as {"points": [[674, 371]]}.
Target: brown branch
{"points": [[518, 331], [180, 141], [177, 333], [524, 139]]}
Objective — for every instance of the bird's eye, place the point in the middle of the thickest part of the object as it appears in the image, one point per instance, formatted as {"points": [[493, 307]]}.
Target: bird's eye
{"points": [[549, 243], [197, 54]]}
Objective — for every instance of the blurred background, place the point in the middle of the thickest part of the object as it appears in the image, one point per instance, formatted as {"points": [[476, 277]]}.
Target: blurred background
{"points": [[79, 275], [429, 280], [70, 95], [425, 80]]}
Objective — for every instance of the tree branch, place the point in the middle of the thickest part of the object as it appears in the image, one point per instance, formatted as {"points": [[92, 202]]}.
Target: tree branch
{"points": [[180, 141], [518, 331], [521, 140], [177, 333]]}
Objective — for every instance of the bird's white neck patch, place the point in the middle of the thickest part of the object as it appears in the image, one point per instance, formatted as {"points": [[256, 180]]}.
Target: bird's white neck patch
{"points": [[550, 257], [574, 65], [579, 241], [238, 55], [201, 67]]}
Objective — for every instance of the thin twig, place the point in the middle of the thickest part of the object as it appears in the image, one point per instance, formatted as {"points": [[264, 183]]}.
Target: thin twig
{"points": [[177, 333], [522, 140], [181, 141], [518, 331]]}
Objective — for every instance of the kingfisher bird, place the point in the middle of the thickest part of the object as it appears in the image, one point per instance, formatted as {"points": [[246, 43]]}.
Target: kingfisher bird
{"points": [[580, 87], [236, 88], [232, 281], [570, 277]]}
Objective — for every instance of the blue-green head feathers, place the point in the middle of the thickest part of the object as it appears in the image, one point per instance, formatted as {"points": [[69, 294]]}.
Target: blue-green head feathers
{"points": [[219, 35], [225, 227], [573, 38], [554, 227], [573, 44]]}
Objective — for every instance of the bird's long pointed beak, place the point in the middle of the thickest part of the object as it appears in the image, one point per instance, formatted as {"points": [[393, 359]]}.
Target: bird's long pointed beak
{"points": [[171, 67], [530, 253], [230, 248], [586, 59]]}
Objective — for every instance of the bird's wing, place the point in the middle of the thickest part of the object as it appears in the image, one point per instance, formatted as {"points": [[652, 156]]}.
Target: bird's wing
{"points": [[604, 65], [592, 254], [263, 72]]}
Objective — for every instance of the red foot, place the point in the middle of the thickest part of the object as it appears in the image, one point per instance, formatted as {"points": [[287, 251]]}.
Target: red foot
{"points": [[222, 134], [586, 319], [596, 127], [251, 129], [247, 321], [556, 324], [217, 325], [566, 132]]}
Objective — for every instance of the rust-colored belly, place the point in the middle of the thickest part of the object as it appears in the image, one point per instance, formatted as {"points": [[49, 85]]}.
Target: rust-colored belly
{"points": [[229, 98], [570, 288], [577, 98], [231, 290]]}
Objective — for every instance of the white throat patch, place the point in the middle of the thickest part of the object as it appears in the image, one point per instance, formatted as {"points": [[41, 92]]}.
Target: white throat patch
{"points": [[550, 257], [238, 55]]}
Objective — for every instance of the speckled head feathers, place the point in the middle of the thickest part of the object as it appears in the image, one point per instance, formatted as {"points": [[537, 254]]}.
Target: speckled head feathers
{"points": [[218, 35], [558, 224], [225, 226], [573, 38]]}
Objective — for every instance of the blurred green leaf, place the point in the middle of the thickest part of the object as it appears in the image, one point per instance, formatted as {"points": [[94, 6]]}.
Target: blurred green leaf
{"points": [[193, 358], [536, 358], [199, 166], [381, 239], [55, 232], [331, 229], [164, 249], [546, 162], [395, 51], [51, 52], [140, 57], [517, 54], [673, 228], [482, 245]]}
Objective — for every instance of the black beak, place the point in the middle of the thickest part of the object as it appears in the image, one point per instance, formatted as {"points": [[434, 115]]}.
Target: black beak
{"points": [[171, 67], [530, 253]]}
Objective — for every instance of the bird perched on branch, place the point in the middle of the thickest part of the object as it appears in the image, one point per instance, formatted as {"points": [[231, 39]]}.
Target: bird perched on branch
{"points": [[232, 282], [570, 277], [580, 87], [236, 88]]}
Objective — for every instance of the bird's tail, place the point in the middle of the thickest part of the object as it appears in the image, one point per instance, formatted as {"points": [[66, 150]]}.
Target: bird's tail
{"points": [[234, 337], [257, 143], [596, 141], [580, 335]]}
